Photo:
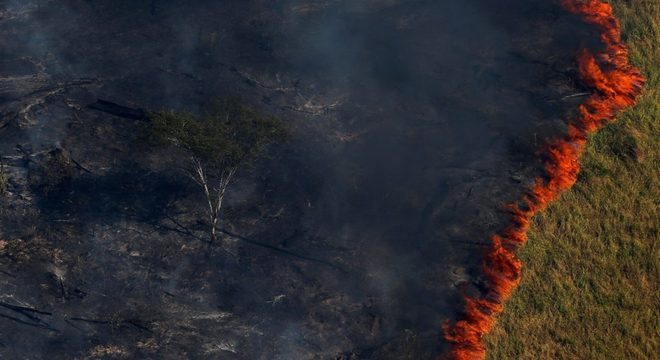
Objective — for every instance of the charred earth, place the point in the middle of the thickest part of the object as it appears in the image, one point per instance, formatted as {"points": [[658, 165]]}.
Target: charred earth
{"points": [[412, 123]]}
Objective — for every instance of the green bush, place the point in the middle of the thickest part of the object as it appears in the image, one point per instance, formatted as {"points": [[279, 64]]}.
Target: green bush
{"points": [[227, 133]]}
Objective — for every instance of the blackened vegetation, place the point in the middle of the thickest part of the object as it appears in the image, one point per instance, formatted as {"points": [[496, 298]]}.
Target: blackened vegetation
{"points": [[409, 124], [52, 173], [3, 178]]}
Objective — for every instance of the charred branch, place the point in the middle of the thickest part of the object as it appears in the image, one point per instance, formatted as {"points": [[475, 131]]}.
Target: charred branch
{"points": [[118, 110], [28, 313]]}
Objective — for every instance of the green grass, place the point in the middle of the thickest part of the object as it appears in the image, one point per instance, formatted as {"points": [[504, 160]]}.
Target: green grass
{"points": [[591, 276]]}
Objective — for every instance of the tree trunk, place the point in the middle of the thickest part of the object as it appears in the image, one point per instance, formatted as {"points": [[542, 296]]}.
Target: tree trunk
{"points": [[214, 207], [214, 234]]}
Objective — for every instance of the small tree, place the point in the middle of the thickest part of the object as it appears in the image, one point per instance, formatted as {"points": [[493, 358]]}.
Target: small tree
{"points": [[226, 136]]}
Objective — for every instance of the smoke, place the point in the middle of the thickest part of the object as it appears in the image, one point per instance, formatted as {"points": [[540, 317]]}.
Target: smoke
{"points": [[427, 92], [616, 85], [396, 84], [405, 115]]}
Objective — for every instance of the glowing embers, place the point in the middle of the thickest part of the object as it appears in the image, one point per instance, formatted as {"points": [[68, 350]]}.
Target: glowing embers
{"points": [[615, 85]]}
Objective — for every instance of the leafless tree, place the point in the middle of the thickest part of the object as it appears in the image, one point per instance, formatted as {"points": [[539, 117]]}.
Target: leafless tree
{"points": [[215, 195]]}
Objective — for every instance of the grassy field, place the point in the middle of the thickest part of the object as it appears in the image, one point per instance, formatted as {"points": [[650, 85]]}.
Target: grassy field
{"points": [[591, 276]]}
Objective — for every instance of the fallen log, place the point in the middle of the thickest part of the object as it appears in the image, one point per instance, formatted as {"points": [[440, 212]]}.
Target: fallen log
{"points": [[119, 110], [28, 313]]}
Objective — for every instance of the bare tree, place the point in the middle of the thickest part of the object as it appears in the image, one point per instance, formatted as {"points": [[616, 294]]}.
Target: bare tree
{"points": [[214, 195], [225, 137]]}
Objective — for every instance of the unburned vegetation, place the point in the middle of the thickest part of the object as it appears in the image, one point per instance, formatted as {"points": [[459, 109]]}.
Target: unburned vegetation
{"points": [[590, 283]]}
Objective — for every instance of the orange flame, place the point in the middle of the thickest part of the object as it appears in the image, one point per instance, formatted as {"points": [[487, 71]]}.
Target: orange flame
{"points": [[615, 85]]}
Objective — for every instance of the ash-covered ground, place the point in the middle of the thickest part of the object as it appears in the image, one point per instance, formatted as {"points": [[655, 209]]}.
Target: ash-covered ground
{"points": [[413, 122]]}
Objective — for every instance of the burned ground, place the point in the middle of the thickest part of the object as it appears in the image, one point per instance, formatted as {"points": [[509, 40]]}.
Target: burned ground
{"points": [[413, 122]]}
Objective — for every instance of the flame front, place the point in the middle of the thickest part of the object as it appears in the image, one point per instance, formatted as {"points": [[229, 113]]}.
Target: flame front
{"points": [[615, 85]]}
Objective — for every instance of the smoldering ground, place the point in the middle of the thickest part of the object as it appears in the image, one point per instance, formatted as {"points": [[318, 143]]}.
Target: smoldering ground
{"points": [[413, 122]]}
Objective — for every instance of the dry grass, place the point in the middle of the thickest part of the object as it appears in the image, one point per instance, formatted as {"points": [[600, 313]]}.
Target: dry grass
{"points": [[590, 285]]}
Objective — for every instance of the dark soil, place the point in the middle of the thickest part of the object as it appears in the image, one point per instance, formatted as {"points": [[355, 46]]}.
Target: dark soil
{"points": [[413, 123]]}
